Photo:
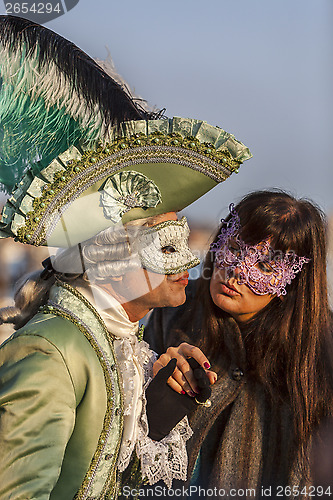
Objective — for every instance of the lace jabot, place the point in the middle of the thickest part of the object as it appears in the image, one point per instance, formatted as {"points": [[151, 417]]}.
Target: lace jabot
{"points": [[164, 460]]}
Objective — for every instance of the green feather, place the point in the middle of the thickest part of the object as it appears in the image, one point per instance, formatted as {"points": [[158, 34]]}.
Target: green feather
{"points": [[30, 129], [52, 95]]}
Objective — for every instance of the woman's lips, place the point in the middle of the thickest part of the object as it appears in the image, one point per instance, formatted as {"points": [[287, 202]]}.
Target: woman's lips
{"points": [[229, 290]]}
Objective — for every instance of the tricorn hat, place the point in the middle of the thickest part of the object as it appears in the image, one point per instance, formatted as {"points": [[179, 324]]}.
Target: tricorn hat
{"points": [[79, 154]]}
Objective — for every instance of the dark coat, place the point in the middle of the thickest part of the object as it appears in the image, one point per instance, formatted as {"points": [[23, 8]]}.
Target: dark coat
{"points": [[246, 440]]}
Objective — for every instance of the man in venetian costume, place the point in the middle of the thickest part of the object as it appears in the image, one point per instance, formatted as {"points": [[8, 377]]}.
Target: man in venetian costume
{"points": [[91, 172]]}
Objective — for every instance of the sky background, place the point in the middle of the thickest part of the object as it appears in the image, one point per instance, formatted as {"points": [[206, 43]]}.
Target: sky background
{"points": [[260, 69]]}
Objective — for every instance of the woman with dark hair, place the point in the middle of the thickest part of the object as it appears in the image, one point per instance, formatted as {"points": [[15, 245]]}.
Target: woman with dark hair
{"points": [[260, 313]]}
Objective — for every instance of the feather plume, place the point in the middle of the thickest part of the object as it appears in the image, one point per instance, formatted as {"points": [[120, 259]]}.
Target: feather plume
{"points": [[52, 95], [108, 66]]}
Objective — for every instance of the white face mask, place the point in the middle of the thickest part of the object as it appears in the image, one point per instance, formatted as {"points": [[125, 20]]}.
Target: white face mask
{"points": [[163, 248]]}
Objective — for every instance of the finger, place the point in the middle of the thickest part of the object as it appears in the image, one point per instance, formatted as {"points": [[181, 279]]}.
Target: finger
{"points": [[162, 361], [159, 365], [183, 354], [203, 383], [175, 385], [190, 351], [184, 373], [193, 363], [180, 383], [166, 372], [179, 379], [204, 394], [212, 376], [201, 378], [184, 385], [187, 388], [188, 374]]}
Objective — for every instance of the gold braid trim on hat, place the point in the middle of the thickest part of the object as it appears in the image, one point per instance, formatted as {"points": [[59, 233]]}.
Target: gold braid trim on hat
{"points": [[78, 175]]}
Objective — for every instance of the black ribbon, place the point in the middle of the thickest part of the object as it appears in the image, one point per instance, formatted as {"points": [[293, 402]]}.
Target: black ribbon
{"points": [[48, 270]]}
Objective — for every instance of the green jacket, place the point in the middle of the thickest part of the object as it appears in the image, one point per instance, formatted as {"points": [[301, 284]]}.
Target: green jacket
{"points": [[61, 412]]}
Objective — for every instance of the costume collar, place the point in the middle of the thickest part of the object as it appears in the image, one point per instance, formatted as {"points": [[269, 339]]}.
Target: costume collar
{"points": [[112, 312]]}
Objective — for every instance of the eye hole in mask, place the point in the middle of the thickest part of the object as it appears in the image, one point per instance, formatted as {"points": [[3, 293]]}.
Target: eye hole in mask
{"points": [[164, 248], [168, 249], [234, 248], [236, 255], [265, 267]]}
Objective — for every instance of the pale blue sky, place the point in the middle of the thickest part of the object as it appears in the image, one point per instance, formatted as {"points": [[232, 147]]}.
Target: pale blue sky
{"points": [[260, 69]]}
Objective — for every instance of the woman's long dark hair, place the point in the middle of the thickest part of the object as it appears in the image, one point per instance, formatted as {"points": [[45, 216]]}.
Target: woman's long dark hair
{"points": [[288, 343]]}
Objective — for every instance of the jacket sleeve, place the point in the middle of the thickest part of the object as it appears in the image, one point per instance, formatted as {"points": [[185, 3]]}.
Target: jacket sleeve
{"points": [[37, 415]]}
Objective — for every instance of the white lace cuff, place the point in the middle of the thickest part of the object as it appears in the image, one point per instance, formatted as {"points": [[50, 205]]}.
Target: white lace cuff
{"points": [[148, 358], [166, 459]]}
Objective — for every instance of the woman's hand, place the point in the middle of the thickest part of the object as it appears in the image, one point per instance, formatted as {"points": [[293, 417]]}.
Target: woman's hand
{"points": [[183, 379]]}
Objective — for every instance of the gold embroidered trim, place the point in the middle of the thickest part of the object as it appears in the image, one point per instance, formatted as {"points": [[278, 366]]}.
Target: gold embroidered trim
{"points": [[174, 270], [166, 223], [112, 480], [79, 175], [140, 333]]}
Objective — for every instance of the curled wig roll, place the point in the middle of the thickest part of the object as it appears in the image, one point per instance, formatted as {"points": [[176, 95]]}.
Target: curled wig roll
{"points": [[108, 254]]}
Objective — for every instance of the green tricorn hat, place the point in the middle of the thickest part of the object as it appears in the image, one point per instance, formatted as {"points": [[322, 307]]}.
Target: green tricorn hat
{"points": [[78, 153], [151, 167]]}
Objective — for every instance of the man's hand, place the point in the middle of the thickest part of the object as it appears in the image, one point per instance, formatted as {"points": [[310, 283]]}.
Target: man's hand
{"points": [[165, 407], [183, 380]]}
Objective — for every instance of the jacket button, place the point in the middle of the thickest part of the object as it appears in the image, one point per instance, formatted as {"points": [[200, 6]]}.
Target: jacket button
{"points": [[237, 374], [108, 456], [117, 411]]}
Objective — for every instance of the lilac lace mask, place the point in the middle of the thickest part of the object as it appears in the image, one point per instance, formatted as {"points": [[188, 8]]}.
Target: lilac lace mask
{"points": [[263, 269]]}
